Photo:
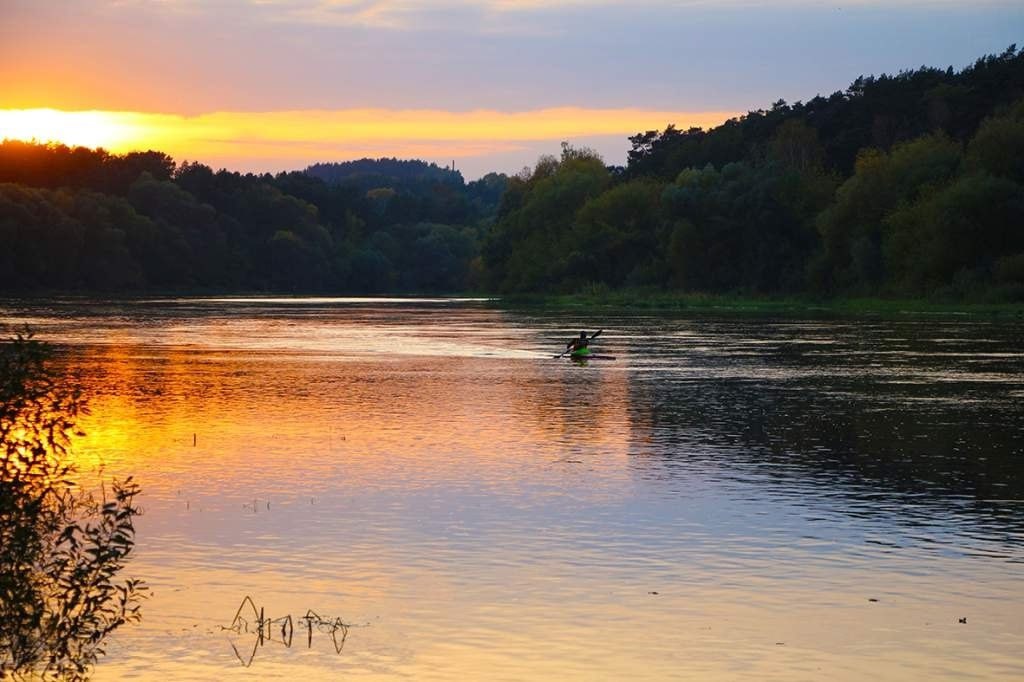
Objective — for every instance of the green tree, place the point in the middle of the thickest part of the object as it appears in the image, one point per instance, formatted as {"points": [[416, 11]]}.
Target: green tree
{"points": [[998, 147], [744, 228], [42, 243], [852, 228], [615, 235], [371, 272], [795, 145], [954, 235], [530, 244]]}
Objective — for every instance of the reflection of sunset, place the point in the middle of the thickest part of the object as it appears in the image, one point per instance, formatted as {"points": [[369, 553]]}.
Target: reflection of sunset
{"points": [[320, 441], [144, 412]]}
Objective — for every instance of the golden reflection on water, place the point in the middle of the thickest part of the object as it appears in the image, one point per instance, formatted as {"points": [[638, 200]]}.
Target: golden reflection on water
{"points": [[245, 415], [512, 517], [299, 437]]}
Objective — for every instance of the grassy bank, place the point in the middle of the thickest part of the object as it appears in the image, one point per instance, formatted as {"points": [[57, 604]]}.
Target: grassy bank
{"points": [[753, 305]]}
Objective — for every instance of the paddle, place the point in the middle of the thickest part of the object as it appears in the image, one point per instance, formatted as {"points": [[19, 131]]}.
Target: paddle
{"points": [[594, 336]]}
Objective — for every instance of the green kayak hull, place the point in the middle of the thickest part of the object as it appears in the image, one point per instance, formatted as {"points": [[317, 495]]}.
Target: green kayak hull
{"points": [[587, 354]]}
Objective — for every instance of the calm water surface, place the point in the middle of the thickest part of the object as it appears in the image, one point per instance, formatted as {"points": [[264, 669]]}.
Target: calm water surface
{"points": [[723, 501]]}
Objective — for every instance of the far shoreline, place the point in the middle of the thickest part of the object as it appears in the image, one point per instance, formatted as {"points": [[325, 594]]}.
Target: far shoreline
{"points": [[728, 304], [605, 301]]}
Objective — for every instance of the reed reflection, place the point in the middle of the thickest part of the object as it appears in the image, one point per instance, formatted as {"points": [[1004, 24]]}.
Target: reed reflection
{"points": [[259, 629], [62, 547]]}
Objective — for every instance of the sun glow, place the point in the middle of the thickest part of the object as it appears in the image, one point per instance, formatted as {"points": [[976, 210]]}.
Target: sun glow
{"points": [[316, 135], [115, 131]]}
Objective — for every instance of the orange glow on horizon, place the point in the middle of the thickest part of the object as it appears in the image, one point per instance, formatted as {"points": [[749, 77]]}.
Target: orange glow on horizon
{"points": [[331, 134], [110, 130]]}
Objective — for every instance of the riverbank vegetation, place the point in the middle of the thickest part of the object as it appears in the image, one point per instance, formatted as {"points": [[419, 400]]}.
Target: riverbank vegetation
{"points": [[908, 186], [62, 547]]}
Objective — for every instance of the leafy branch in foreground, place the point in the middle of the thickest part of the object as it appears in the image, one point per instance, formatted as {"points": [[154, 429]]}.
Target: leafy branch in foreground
{"points": [[61, 547]]}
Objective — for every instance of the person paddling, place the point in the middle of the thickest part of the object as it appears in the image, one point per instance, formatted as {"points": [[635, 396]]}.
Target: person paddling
{"points": [[578, 344], [579, 347]]}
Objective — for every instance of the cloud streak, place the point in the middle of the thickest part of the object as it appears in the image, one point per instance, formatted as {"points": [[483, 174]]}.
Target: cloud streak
{"points": [[422, 14], [501, 16], [187, 56]]}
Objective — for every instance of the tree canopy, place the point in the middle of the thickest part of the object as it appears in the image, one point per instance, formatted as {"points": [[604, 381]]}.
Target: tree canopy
{"points": [[905, 185], [81, 219]]}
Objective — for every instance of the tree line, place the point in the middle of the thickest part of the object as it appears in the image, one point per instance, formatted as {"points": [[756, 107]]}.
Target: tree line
{"points": [[77, 219], [907, 185]]}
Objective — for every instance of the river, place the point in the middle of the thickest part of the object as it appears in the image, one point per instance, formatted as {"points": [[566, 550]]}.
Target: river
{"points": [[732, 497]]}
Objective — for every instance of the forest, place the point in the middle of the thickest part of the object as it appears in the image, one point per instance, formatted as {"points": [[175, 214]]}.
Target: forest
{"points": [[905, 185], [85, 220]]}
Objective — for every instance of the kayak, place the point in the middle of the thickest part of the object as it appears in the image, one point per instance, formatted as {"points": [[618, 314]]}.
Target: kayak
{"points": [[584, 353], [587, 354]]}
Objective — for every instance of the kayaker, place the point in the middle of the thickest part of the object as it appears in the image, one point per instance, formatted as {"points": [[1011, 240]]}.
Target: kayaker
{"points": [[578, 344]]}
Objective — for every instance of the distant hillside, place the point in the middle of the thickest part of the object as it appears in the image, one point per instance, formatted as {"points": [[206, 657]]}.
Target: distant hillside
{"points": [[383, 172], [409, 189]]}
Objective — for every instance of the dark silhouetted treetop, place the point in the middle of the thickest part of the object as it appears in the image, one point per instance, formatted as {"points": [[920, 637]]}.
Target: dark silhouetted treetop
{"points": [[874, 111]]}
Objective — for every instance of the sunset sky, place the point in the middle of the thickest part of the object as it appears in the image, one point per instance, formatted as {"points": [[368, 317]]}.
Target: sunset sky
{"points": [[277, 84]]}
